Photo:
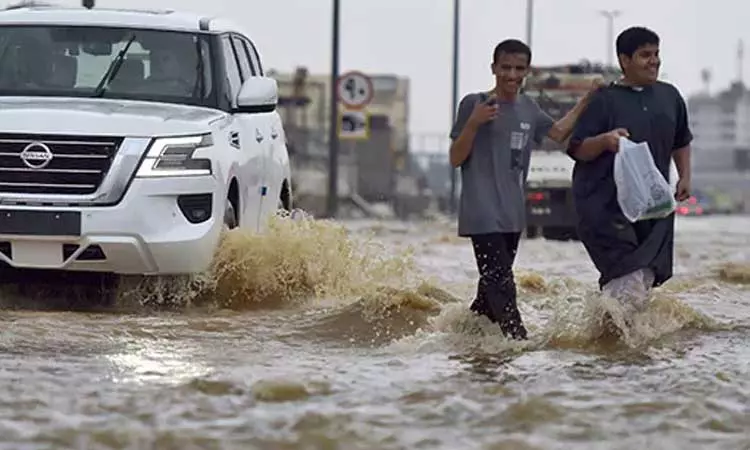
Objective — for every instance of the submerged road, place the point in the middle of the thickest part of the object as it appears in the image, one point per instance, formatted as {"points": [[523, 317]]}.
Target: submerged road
{"points": [[357, 336]]}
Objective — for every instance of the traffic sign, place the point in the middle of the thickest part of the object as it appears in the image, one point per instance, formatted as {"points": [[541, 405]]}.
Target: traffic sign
{"points": [[354, 125], [354, 90]]}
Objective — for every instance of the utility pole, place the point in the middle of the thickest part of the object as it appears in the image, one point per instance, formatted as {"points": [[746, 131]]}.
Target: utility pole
{"points": [[529, 21], [610, 15], [454, 99], [333, 136], [740, 61]]}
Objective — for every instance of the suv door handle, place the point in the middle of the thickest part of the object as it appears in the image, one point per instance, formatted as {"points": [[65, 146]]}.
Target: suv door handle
{"points": [[258, 135], [274, 133]]}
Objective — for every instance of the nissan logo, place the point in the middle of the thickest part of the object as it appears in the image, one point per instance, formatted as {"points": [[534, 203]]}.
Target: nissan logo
{"points": [[36, 155]]}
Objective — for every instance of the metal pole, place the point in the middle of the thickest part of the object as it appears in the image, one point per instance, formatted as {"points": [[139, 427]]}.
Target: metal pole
{"points": [[333, 136], [610, 15], [529, 21], [454, 99], [740, 60]]}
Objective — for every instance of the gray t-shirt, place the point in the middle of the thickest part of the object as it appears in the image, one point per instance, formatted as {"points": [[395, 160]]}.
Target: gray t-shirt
{"points": [[493, 177]]}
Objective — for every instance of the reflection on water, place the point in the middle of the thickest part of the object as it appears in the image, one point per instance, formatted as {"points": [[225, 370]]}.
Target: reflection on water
{"points": [[155, 361], [322, 335]]}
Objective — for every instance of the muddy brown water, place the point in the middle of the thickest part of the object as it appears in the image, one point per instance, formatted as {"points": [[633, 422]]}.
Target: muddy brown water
{"points": [[357, 336]]}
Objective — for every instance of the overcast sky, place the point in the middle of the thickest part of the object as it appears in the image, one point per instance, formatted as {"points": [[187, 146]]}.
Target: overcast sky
{"points": [[412, 38]]}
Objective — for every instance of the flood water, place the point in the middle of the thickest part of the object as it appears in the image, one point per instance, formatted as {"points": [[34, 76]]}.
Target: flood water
{"points": [[357, 336]]}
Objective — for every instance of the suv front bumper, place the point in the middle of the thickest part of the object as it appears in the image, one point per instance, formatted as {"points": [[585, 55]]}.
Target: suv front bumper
{"points": [[148, 232]]}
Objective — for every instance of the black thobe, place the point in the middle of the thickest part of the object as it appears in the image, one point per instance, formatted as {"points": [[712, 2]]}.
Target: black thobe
{"points": [[656, 114]]}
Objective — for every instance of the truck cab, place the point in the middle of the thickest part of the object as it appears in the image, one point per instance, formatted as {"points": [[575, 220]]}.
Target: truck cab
{"points": [[550, 211]]}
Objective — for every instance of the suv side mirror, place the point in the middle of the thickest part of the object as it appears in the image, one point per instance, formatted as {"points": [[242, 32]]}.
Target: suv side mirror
{"points": [[258, 94]]}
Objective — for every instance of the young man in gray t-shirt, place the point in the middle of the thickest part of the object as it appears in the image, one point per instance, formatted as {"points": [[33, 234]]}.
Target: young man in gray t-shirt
{"points": [[492, 139]]}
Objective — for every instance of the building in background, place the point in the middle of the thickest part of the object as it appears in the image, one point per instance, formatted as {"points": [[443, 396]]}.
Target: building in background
{"points": [[721, 147], [374, 171], [721, 126], [310, 94]]}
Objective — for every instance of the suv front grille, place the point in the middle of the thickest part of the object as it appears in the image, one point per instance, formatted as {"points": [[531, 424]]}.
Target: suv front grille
{"points": [[51, 164]]}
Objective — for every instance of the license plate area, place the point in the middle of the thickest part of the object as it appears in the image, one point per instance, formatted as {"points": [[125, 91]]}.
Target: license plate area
{"points": [[541, 210], [40, 223]]}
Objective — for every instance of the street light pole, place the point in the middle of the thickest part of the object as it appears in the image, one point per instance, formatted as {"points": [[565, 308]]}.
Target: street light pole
{"points": [[333, 136], [610, 15], [454, 98], [529, 21]]}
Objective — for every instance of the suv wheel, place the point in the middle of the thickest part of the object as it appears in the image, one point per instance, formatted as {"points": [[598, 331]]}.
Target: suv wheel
{"points": [[230, 215]]}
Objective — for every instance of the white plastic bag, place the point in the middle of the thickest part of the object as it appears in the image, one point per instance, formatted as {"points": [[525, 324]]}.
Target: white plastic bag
{"points": [[642, 191]]}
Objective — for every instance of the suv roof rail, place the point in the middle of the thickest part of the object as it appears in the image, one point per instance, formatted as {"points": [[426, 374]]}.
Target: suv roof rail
{"points": [[30, 4], [42, 4]]}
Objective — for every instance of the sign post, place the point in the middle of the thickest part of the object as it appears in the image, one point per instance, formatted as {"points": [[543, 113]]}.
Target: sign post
{"points": [[353, 90], [454, 99], [333, 138]]}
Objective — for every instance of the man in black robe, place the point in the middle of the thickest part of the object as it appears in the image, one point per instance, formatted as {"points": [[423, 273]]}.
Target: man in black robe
{"points": [[631, 258]]}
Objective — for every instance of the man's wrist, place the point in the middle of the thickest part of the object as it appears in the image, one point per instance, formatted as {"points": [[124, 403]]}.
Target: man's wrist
{"points": [[472, 126], [602, 141]]}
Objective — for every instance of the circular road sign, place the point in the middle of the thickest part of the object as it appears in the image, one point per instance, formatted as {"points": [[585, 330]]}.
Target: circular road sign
{"points": [[354, 89]]}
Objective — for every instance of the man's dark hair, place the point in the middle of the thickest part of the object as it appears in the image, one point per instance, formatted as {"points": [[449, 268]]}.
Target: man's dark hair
{"points": [[630, 40], [511, 46]]}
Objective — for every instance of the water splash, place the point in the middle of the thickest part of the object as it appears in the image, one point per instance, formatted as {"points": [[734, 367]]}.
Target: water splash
{"points": [[292, 262], [734, 272], [560, 314]]}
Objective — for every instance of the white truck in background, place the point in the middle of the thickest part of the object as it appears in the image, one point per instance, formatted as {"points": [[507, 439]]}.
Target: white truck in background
{"points": [[550, 211], [549, 203]]}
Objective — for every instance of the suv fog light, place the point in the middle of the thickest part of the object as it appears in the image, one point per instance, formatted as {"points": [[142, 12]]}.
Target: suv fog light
{"points": [[196, 208]]}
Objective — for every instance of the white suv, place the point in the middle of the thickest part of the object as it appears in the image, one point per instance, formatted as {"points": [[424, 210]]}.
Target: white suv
{"points": [[129, 139]]}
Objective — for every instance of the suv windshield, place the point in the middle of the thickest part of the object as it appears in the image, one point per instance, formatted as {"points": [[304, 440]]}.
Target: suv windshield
{"points": [[72, 61]]}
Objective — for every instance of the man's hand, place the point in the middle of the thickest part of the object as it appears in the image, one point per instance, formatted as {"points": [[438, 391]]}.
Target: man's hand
{"points": [[683, 190], [483, 112], [612, 139]]}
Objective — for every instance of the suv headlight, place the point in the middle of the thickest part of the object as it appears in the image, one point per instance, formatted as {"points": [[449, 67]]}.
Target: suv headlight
{"points": [[173, 157]]}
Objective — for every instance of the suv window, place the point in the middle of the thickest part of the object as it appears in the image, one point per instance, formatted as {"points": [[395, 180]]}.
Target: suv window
{"points": [[232, 70], [254, 58], [245, 70], [71, 61]]}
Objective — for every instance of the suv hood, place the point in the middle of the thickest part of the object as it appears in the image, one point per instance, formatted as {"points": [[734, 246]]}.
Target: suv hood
{"points": [[86, 116]]}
